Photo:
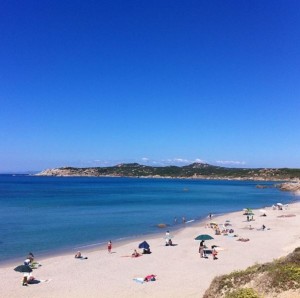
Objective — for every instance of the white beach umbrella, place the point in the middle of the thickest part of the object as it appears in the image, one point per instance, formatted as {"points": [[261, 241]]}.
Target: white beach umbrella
{"points": [[279, 204]]}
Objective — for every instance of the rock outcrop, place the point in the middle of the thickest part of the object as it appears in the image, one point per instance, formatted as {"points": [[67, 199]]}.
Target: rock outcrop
{"points": [[290, 186]]}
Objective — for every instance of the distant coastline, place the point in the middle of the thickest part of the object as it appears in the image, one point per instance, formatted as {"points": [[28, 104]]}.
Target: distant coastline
{"points": [[291, 177]]}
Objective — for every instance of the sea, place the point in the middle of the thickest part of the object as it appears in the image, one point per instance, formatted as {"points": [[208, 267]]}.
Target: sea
{"points": [[51, 215]]}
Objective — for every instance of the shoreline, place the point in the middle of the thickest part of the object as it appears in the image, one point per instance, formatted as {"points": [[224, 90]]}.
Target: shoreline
{"points": [[101, 245], [112, 274], [225, 178]]}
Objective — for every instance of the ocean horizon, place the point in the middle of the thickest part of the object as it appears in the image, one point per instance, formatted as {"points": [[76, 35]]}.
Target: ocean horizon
{"points": [[48, 215]]}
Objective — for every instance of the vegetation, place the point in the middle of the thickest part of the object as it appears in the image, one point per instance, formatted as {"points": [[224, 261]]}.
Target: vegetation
{"points": [[266, 280], [243, 293], [195, 170]]}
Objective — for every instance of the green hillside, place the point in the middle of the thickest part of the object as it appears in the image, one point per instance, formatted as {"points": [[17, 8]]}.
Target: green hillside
{"points": [[200, 170]]}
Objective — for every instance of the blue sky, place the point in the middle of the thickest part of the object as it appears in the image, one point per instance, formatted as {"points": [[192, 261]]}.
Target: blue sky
{"points": [[96, 83]]}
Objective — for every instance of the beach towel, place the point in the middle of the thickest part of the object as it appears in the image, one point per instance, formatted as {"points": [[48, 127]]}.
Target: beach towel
{"points": [[139, 280], [35, 265], [148, 278]]}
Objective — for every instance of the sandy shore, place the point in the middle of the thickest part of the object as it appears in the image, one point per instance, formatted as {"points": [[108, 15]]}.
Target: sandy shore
{"points": [[179, 269]]}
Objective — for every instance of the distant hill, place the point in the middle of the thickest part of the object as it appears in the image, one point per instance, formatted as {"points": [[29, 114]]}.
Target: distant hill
{"points": [[195, 170]]}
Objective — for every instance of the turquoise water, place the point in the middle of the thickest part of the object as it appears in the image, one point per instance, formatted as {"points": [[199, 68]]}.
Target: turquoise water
{"points": [[51, 214]]}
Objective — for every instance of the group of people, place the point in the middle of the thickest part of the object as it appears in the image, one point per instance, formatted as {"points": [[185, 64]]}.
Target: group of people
{"points": [[250, 218], [27, 276], [183, 220], [202, 248]]}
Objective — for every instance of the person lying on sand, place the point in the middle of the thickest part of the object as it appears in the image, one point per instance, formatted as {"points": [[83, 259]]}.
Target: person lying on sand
{"points": [[135, 254], [150, 277], [79, 256], [243, 239]]}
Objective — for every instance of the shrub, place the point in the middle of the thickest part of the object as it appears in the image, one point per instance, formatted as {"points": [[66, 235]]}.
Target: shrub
{"points": [[243, 293]]}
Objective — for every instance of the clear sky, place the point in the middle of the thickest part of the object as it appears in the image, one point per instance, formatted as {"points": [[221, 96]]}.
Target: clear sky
{"points": [[95, 83]]}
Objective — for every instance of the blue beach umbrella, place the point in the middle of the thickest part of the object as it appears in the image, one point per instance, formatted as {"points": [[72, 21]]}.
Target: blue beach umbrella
{"points": [[144, 245]]}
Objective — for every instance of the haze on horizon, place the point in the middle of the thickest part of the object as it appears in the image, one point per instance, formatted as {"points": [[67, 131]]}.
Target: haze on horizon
{"points": [[97, 83]]}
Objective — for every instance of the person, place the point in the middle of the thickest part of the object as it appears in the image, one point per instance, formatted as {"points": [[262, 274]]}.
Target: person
{"points": [[201, 249], [170, 242], [109, 246], [210, 216], [248, 218], [214, 253], [78, 255], [263, 227], [135, 254], [30, 278], [25, 279], [146, 251], [30, 257], [167, 237], [27, 262], [183, 220], [150, 277]]}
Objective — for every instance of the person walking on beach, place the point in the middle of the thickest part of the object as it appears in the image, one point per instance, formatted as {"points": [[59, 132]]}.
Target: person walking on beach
{"points": [[109, 246]]}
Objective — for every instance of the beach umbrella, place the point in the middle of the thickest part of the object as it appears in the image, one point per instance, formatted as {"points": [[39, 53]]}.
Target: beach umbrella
{"points": [[23, 269], [204, 237], [144, 245], [279, 204]]}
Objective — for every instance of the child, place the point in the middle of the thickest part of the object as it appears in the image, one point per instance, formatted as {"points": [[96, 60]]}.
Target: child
{"points": [[214, 254]]}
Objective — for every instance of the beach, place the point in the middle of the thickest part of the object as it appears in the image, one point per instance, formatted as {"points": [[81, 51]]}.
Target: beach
{"points": [[179, 270]]}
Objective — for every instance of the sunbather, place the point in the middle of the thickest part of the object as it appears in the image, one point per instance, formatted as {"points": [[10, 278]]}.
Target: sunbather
{"points": [[79, 256], [135, 254], [243, 239], [150, 277]]}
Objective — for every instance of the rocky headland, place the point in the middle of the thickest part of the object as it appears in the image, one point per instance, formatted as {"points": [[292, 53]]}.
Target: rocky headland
{"points": [[192, 171]]}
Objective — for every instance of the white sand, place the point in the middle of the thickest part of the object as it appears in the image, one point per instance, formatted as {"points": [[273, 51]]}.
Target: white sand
{"points": [[179, 269]]}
